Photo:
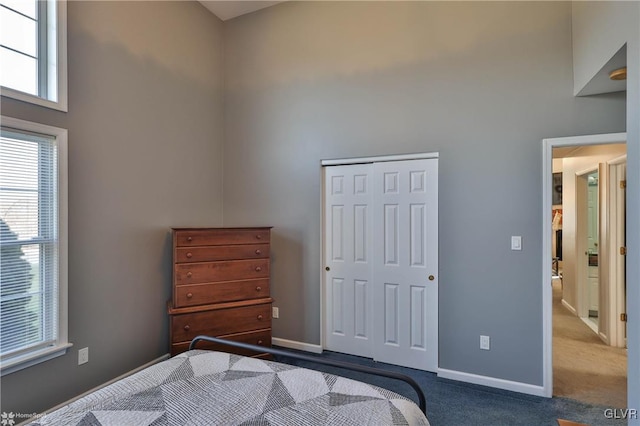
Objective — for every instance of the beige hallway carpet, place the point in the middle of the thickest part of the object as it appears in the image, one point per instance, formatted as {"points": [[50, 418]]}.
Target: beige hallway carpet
{"points": [[584, 368]]}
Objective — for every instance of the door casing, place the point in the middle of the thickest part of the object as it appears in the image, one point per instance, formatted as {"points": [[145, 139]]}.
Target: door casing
{"points": [[547, 170], [583, 292]]}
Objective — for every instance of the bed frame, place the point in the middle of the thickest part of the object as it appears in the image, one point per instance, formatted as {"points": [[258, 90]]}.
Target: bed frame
{"points": [[339, 364]]}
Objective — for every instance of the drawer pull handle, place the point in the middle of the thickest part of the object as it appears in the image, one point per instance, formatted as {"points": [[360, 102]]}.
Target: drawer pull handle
{"points": [[189, 239], [189, 295], [189, 274], [258, 288], [258, 251], [258, 269], [187, 328], [258, 236], [189, 255], [259, 342], [259, 317]]}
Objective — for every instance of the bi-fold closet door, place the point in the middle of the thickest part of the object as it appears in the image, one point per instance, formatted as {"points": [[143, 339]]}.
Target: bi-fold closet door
{"points": [[381, 261]]}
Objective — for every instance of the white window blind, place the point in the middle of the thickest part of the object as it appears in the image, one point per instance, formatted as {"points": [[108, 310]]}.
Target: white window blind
{"points": [[29, 238]]}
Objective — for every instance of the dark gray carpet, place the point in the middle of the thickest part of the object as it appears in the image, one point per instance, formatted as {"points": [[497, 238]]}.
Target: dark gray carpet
{"points": [[456, 403]]}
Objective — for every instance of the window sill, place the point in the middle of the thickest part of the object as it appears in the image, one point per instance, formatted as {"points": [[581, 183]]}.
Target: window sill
{"points": [[60, 105], [33, 358]]}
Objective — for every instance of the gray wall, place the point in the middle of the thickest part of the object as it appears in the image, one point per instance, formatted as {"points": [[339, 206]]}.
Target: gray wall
{"points": [[480, 83], [145, 154]]}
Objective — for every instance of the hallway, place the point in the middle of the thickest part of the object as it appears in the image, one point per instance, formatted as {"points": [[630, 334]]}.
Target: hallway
{"points": [[584, 368]]}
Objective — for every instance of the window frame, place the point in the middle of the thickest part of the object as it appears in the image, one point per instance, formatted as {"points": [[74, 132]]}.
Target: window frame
{"points": [[59, 44], [61, 344]]}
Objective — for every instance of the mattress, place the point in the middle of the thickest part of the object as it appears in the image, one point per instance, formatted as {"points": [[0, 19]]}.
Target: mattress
{"points": [[210, 388]]}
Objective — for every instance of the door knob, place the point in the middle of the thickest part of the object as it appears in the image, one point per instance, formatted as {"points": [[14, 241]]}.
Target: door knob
{"points": [[431, 278], [327, 269]]}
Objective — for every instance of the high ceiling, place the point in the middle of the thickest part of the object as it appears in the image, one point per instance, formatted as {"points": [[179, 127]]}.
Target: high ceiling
{"points": [[230, 9], [600, 83]]}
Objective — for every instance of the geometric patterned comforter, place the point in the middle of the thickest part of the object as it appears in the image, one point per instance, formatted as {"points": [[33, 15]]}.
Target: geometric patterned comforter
{"points": [[216, 388]]}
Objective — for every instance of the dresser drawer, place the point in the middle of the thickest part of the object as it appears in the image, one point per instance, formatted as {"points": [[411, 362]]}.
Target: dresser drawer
{"points": [[219, 322], [192, 273], [223, 291], [260, 338], [215, 253], [220, 237]]}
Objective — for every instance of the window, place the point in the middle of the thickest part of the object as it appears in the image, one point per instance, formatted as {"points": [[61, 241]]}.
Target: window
{"points": [[33, 243], [33, 51]]}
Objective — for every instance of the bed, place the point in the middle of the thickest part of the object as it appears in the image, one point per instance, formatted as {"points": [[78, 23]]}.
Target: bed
{"points": [[202, 387]]}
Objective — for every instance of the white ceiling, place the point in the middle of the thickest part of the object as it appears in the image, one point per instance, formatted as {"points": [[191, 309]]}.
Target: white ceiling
{"points": [[230, 9], [565, 151]]}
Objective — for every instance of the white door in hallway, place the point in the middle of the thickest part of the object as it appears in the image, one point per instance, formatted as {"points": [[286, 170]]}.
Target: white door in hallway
{"points": [[381, 260], [405, 264], [622, 230], [618, 221]]}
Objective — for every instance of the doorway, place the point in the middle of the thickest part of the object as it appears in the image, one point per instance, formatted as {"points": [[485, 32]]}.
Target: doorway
{"points": [[380, 245], [587, 210], [582, 298]]}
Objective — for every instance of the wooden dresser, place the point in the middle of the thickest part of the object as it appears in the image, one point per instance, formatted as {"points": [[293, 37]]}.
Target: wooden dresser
{"points": [[220, 287]]}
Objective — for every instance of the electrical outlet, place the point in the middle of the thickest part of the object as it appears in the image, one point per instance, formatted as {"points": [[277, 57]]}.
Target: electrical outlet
{"points": [[83, 356], [275, 312], [485, 343]]}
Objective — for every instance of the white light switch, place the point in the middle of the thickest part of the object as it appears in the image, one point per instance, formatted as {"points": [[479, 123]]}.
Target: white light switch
{"points": [[516, 242]]}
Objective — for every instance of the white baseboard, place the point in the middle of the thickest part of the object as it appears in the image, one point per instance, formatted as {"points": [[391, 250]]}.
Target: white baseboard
{"points": [[569, 307], [122, 376], [492, 382], [590, 324], [604, 338], [292, 344]]}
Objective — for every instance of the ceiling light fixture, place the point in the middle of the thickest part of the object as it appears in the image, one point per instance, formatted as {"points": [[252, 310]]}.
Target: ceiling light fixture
{"points": [[619, 74]]}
